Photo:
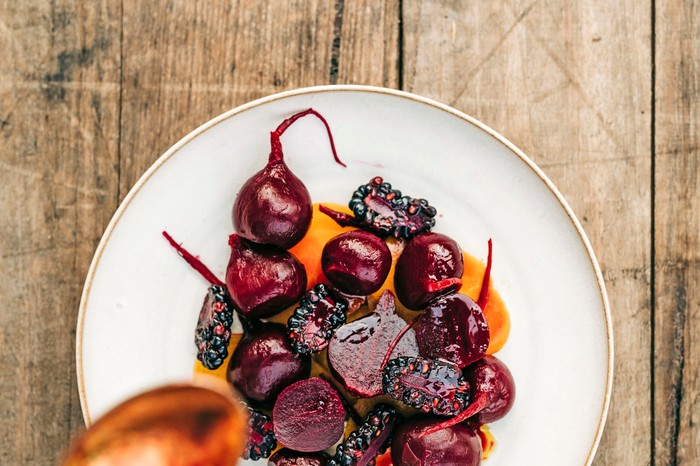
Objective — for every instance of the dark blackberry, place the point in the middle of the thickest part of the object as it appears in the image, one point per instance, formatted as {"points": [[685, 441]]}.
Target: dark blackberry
{"points": [[385, 211], [213, 331], [371, 439], [314, 322], [431, 386], [261, 438]]}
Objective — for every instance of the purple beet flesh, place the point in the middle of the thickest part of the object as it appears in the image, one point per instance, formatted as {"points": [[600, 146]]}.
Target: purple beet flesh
{"points": [[263, 364], [431, 265], [308, 416], [457, 445], [357, 349], [287, 457], [356, 262], [263, 280], [453, 328]]}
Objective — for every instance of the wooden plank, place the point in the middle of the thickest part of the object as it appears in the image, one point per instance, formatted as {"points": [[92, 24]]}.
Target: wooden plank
{"points": [[677, 233], [569, 83], [59, 126]]}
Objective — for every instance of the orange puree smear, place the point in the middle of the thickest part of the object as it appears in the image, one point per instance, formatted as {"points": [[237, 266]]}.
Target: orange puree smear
{"points": [[495, 311], [488, 441]]}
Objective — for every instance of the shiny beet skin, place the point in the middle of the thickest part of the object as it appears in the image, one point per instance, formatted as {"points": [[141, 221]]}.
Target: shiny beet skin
{"points": [[458, 445], [273, 207], [356, 262], [453, 328], [490, 376], [261, 279], [308, 416], [263, 364], [287, 457], [427, 268]]}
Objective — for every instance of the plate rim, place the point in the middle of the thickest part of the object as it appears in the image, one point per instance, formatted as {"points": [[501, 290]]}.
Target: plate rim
{"points": [[85, 296]]}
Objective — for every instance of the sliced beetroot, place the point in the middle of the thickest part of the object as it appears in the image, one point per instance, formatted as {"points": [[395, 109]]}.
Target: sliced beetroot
{"points": [[264, 363], [287, 457], [357, 349], [308, 416], [431, 265], [274, 206], [356, 262], [457, 445], [453, 328], [261, 279]]}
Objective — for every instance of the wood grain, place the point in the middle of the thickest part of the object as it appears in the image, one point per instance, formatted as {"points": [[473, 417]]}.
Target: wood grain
{"points": [[677, 233], [547, 75], [59, 126]]}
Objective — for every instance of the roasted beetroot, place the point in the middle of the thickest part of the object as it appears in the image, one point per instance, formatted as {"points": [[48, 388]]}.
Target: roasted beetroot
{"points": [[458, 445], [492, 394], [370, 439], [436, 387], [431, 265], [357, 349], [453, 328], [261, 279], [287, 457], [356, 262], [385, 211], [308, 416], [313, 323], [274, 206], [263, 363]]}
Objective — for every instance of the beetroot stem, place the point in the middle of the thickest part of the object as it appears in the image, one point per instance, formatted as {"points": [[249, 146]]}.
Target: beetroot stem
{"points": [[432, 287], [194, 262], [398, 338], [342, 219], [276, 152], [479, 403], [484, 293]]}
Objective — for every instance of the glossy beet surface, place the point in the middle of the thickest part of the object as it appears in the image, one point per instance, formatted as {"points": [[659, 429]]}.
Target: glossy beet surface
{"points": [[263, 280], [436, 387], [453, 328], [308, 416], [274, 206], [263, 364], [357, 349], [491, 377], [287, 457], [356, 262], [430, 266], [458, 445]]}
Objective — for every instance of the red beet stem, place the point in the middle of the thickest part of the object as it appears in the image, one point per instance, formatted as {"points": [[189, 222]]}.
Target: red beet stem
{"points": [[442, 284], [484, 293], [194, 262], [479, 403], [276, 146], [342, 219], [396, 341]]}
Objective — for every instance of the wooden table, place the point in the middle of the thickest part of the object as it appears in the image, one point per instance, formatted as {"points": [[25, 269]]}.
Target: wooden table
{"points": [[603, 94]]}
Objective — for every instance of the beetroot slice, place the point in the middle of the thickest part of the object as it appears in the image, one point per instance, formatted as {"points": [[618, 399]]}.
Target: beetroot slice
{"points": [[357, 349], [308, 416]]}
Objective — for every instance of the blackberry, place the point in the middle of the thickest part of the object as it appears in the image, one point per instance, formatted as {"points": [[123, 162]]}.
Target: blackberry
{"points": [[436, 387], [371, 439], [314, 322], [261, 438], [213, 331], [385, 211]]}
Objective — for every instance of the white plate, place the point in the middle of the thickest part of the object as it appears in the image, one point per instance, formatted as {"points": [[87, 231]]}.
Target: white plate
{"points": [[140, 302]]}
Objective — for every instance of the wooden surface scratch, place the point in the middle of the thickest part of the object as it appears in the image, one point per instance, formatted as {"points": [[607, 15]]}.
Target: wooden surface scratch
{"points": [[604, 95]]}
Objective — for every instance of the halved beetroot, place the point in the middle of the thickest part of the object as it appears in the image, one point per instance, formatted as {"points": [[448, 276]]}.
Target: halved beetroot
{"points": [[357, 349], [308, 416]]}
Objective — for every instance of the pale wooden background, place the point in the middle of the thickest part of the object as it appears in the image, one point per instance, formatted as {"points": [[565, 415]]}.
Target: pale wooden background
{"points": [[603, 94]]}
